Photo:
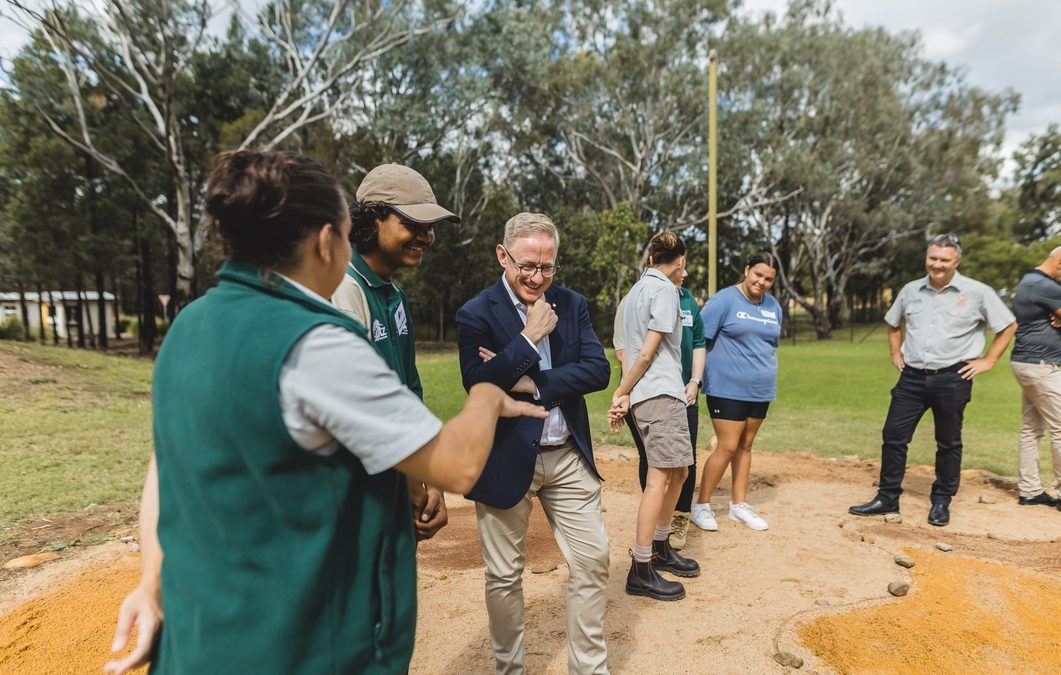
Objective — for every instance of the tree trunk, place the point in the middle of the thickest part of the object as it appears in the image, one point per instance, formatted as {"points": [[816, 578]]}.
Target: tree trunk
{"points": [[117, 308], [440, 334], [25, 311], [53, 315], [147, 299], [90, 328], [40, 306], [80, 308], [101, 312], [823, 328]]}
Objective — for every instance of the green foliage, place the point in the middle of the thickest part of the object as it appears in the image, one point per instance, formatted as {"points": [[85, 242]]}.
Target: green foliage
{"points": [[11, 329], [1038, 190]]}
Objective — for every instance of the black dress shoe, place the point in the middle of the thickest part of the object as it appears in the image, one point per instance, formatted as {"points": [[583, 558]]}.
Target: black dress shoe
{"points": [[1043, 498], [666, 559], [643, 579], [875, 507], [939, 514]]}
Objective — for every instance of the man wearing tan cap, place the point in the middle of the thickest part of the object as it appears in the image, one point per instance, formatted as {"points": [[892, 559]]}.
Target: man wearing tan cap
{"points": [[393, 221]]}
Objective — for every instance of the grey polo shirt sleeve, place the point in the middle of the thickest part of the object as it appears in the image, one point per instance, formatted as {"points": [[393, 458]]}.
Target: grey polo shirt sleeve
{"points": [[618, 339], [335, 390], [996, 314], [663, 310], [350, 299], [894, 317]]}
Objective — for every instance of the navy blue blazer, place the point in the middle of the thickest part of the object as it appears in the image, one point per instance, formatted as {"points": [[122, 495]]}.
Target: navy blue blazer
{"points": [[579, 367]]}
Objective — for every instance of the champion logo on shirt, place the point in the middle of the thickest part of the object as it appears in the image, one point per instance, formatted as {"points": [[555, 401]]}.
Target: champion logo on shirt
{"points": [[378, 331], [770, 320], [401, 322]]}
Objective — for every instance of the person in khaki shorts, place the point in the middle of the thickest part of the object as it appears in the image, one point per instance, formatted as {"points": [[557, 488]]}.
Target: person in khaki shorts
{"points": [[653, 392], [1035, 362]]}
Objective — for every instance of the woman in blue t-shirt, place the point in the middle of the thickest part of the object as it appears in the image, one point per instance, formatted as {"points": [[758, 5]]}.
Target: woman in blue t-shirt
{"points": [[742, 326]]}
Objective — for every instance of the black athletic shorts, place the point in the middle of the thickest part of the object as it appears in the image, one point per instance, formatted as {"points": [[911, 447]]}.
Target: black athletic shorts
{"points": [[731, 409]]}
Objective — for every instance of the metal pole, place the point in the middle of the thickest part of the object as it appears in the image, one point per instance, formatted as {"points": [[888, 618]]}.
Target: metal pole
{"points": [[712, 173]]}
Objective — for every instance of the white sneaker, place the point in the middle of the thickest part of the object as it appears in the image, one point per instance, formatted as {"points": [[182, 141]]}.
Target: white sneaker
{"points": [[745, 513], [703, 517]]}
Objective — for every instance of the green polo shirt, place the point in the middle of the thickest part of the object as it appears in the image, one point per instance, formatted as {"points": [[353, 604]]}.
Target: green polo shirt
{"points": [[382, 308]]}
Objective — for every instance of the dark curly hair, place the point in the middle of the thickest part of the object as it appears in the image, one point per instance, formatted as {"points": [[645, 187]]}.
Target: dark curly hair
{"points": [[664, 248], [364, 231]]}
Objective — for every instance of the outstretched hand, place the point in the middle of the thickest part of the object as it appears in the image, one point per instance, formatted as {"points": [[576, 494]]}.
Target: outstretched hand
{"points": [[510, 407], [143, 609]]}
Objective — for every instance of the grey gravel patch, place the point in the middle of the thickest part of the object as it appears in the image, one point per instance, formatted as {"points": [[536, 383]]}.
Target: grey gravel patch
{"points": [[789, 659], [944, 547], [988, 499], [899, 588], [904, 561], [893, 517]]}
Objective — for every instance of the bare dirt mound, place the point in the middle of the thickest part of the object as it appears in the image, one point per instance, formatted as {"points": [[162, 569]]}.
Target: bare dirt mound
{"points": [[814, 584]]}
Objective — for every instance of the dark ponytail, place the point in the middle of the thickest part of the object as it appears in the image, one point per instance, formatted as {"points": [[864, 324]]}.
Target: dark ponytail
{"points": [[664, 248], [264, 204]]}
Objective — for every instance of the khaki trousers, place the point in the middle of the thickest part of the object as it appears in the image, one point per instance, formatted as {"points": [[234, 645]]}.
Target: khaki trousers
{"points": [[571, 497], [1040, 385]]}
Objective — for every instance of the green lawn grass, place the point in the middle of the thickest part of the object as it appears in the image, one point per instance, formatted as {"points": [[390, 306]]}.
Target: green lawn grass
{"points": [[78, 432]]}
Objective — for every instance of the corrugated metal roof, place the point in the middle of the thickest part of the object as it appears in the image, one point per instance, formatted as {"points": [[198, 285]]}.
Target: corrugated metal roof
{"points": [[57, 296]]}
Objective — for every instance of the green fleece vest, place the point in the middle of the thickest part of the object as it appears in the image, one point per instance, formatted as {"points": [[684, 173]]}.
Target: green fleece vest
{"points": [[390, 328], [277, 560]]}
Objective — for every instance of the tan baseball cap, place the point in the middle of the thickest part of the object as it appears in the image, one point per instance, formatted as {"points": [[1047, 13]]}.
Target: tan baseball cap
{"points": [[406, 191]]}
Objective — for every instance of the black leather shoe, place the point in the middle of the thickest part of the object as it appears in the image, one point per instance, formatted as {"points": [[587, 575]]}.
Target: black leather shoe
{"points": [[1043, 498], [644, 580], [666, 559], [939, 514], [875, 507]]}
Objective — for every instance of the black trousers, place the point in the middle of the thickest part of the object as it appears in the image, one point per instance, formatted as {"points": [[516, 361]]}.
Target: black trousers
{"points": [[685, 499], [946, 395]]}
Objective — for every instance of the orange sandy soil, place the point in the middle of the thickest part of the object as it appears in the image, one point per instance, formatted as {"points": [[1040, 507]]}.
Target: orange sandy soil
{"points": [[814, 584]]}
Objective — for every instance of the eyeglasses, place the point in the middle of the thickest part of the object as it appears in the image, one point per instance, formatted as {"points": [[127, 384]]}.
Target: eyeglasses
{"points": [[528, 271]]}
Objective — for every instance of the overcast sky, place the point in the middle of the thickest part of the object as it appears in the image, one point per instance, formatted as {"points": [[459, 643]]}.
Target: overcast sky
{"points": [[1001, 44]]}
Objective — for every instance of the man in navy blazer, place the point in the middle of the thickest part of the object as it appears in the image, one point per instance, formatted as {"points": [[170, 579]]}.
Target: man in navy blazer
{"points": [[537, 341]]}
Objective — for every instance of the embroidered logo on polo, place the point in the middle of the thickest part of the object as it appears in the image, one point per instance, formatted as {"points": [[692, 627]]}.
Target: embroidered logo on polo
{"points": [[768, 317], [378, 331], [401, 322]]}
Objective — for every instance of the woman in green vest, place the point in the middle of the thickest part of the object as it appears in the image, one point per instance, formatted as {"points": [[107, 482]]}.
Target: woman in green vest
{"points": [[275, 519]]}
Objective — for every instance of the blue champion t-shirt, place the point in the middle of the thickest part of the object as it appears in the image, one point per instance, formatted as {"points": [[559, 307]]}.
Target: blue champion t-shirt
{"points": [[742, 339]]}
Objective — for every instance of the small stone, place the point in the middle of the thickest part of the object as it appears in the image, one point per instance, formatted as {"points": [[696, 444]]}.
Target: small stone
{"points": [[898, 588], [944, 547], [849, 458], [840, 524], [543, 568], [625, 458], [893, 518], [126, 540], [904, 561], [824, 602], [789, 659], [28, 561], [994, 535], [868, 539], [876, 483], [134, 547], [988, 499]]}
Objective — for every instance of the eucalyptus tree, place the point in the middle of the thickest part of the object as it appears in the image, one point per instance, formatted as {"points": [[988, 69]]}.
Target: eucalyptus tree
{"points": [[872, 141], [140, 54]]}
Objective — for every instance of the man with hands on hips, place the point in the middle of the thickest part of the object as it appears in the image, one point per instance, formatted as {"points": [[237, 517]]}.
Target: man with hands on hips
{"points": [[944, 315]]}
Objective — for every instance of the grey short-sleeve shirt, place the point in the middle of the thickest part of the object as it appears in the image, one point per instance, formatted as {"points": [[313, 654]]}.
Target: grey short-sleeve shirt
{"points": [[653, 304], [946, 326], [1038, 297]]}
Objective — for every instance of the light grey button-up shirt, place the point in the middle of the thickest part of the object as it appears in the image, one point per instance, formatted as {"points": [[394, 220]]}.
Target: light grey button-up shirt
{"points": [[653, 304], [946, 326], [555, 430]]}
